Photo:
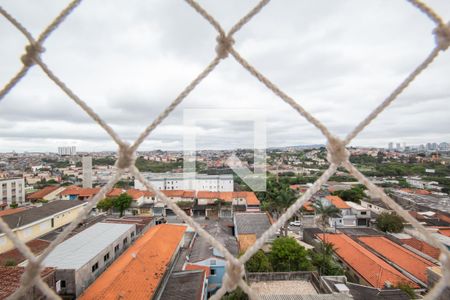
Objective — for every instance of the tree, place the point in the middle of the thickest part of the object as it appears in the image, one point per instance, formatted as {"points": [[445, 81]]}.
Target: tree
{"points": [[355, 194], [259, 262], [14, 205], [106, 204], [405, 287], [287, 255], [324, 262], [279, 197], [122, 202], [390, 222], [324, 212], [237, 294]]}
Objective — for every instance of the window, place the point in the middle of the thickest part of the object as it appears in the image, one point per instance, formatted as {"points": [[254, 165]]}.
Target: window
{"points": [[363, 213], [63, 284], [132, 234], [95, 267], [125, 241], [116, 248], [213, 272], [106, 257], [53, 222]]}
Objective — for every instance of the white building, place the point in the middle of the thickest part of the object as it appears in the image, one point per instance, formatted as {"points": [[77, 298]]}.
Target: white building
{"points": [[71, 150], [188, 181], [82, 258], [87, 171], [12, 190]]}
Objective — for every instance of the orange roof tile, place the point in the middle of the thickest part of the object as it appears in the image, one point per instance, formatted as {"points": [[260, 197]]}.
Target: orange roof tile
{"points": [[135, 194], [373, 269], [308, 206], [338, 202], [42, 193], [422, 247], [252, 199], [205, 269], [137, 273], [445, 232], [11, 211], [399, 255], [114, 192]]}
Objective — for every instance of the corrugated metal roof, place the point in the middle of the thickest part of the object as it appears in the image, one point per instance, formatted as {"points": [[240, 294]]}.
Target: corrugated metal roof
{"points": [[256, 223], [80, 249]]}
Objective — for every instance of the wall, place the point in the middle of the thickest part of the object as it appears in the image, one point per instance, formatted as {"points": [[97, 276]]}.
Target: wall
{"points": [[41, 227], [12, 191], [218, 265]]}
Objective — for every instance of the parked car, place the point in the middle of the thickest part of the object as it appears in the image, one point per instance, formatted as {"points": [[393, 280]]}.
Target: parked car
{"points": [[295, 223]]}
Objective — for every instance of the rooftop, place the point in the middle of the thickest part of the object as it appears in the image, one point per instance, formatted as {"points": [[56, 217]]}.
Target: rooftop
{"points": [[12, 211], [137, 273], [187, 285], [251, 223], [180, 176], [77, 251], [34, 214], [422, 247], [42, 193], [284, 287], [407, 260], [373, 269], [337, 201], [11, 279]]}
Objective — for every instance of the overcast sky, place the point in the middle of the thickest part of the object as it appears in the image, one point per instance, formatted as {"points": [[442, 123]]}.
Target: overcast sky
{"points": [[129, 59]]}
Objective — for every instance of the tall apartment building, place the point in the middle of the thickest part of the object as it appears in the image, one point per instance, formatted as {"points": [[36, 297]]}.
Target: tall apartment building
{"points": [[188, 181], [87, 171], [67, 151], [12, 190]]}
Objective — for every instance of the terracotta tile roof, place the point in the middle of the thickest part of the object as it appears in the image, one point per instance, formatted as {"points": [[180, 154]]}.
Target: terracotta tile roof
{"points": [[443, 217], [205, 269], [79, 191], [10, 279], [308, 206], [422, 247], [135, 194], [115, 192], [338, 202], [445, 232], [373, 269], [36, 246], [137, 273], [42, 193], [11, 211], [252, 199], [399, 255]]}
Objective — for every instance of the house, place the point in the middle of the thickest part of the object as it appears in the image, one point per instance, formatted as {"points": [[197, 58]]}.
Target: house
{"points": [[11, 281], [48, 193], [142, 269], [79, 260], [403, 258], [375, 205], [225, 204], [345, 217], [361, 213], [35, 222], [186, 285], [248, 227], [78, 193], [362, 265], [202, 255]]}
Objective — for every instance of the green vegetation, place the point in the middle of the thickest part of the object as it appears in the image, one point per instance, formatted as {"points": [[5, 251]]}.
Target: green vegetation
{"points": [[259, 262], [355, 194], [121, 203], [104, 161], [155, 166], [288, 256], [14, 205], [106, 204], [184, 204], [390, 222], [325, 212], [324, 262], [10, 263], [237, 294], [407, 289]]}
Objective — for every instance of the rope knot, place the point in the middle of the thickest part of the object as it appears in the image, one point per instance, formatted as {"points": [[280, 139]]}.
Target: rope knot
{"points": [[442, 36], [337, 153], [233, 276], [126, 157], [224, 44], [32, 51]]}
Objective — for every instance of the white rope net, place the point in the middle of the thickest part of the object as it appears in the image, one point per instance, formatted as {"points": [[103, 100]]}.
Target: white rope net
{"points": [[337, 153]]}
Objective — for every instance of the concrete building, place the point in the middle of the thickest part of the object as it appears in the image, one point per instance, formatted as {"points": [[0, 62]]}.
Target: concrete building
{"points": [[79, 260], [188, 181], [361, 213], [87, 171], [35, 222], [67, 151], [12, 190]]}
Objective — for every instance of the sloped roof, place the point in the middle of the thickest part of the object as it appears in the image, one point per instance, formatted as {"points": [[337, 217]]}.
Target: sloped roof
{"points": [[407, 260], [373, 269], [12, 211], [137, 273], [190, 267], [11, 277], [246, 241], [34, 214], [248, 223], [422, 247], [42, 193], [186, 285], [338, 202]]}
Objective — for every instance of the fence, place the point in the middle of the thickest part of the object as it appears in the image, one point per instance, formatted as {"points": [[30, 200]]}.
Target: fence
{"points": [[337, 153]]}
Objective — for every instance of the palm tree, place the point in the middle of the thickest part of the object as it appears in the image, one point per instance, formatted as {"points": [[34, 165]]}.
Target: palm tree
{"points": [[324, 212], [284, 199]]}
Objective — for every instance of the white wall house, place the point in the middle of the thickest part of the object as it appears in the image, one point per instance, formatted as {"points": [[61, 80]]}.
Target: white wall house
{"points": [[188, 181], [12, 190]]}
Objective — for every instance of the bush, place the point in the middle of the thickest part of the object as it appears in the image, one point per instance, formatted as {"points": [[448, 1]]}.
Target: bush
{"points": [[287, 256], [10, 263], [259, 262]]}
